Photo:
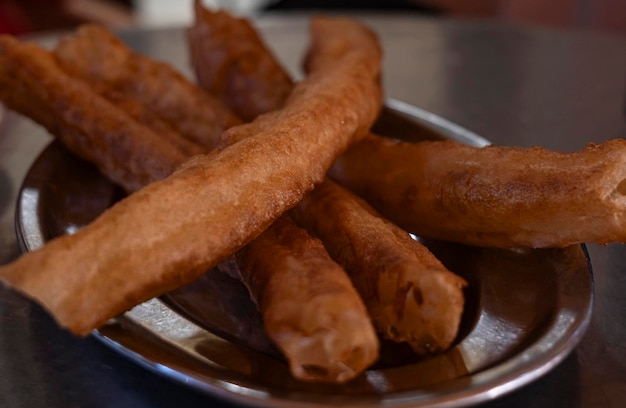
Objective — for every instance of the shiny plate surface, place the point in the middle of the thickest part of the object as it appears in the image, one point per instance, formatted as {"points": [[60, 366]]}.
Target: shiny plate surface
{"points": [[525, 309]]}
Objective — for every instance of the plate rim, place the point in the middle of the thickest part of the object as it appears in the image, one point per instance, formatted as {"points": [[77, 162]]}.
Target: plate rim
{"points": [[493, 382]]}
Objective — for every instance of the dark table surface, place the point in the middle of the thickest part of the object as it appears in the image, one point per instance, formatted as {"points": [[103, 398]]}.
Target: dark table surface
{"points": [[519, 86]]}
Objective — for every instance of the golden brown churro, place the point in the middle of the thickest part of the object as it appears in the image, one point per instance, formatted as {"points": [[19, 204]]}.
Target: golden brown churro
{"points": [[493, 196], [309, 306], [128, 152], [96, 55], [310, 309], [170, 232], [409, 294], [335, 215], [335, 343], [141, 114], [232, 62]]}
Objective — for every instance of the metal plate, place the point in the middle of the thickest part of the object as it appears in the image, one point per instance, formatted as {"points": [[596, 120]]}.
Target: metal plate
{"points": [[525, 309]]}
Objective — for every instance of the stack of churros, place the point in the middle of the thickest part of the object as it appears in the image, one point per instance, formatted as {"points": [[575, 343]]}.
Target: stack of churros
{"points": [[232, 173], [400, 285]]}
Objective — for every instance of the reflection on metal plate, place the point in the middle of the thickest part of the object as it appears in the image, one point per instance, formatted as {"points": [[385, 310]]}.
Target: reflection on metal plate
{"points": [[525, 309]]}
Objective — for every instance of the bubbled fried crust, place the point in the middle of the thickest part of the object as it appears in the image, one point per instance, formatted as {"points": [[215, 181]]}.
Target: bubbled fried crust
{"points": [[409, 294], [424, 333], [232, 62], [493, 196], [310, 309], [129, 153], [94, 54], [171, 231]]}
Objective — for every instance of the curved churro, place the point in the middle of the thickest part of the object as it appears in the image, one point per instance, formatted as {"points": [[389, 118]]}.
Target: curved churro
{"points": [[493, 196], [310, 309], [171, 231], [409, 265]]}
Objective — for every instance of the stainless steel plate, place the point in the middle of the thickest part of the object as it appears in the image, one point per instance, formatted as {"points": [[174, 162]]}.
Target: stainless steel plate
{"points": [[526, 309]]}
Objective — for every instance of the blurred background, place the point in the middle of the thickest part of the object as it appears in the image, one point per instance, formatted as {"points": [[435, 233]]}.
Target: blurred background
{"points": [[28, 16]]}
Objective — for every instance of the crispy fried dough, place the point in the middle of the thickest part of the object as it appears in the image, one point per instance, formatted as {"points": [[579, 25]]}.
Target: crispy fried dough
{"points": [[398, 320], [129, 153], [309, 306], [141, 114], [409, 294], [493, 196], [232, 62], [170, 232], [96, 55]]}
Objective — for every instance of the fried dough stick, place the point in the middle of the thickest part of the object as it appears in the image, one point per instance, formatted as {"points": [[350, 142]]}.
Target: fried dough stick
{"points": [[409, 294], [532, 200], [493, 196], [129, 153], [232, 62], [336, 216], [332, 341], [310, 308], [96, 55], [141, 114], [172, 231]]}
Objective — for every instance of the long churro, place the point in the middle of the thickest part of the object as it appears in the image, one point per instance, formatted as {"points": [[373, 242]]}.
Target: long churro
{"points": [[385, 268], [310, 309], [171, 231], [94, 54], [493, 196], [129, 153]]}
